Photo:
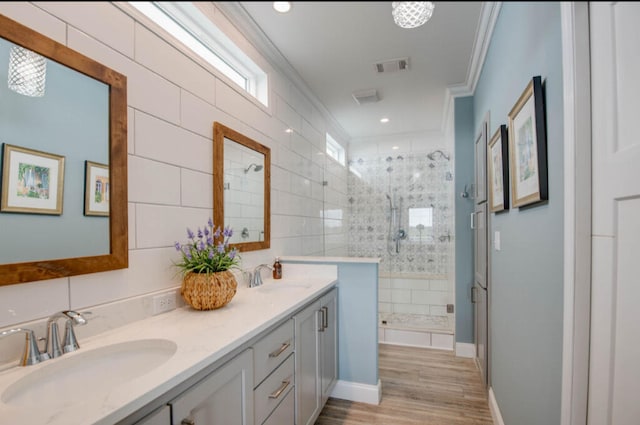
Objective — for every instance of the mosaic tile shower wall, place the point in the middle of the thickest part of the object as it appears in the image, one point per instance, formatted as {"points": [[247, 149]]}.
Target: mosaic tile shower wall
{"points": [[401, 210]]}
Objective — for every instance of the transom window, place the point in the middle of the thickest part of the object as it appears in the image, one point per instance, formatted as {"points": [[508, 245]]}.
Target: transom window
{"points": [[194, 30], [335, 149]]}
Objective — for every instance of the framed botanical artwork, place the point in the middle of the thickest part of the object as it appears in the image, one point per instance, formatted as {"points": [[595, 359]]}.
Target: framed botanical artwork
{"points": [[96, 189], [498, 170], [32, 181], [528, 147]]}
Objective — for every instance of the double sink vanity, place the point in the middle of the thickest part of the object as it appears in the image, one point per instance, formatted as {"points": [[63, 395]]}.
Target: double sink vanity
{"points": [[267, 357]]}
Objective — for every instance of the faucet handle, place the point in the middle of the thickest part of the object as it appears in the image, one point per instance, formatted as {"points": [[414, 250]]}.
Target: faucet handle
{"points": [[53, 339], [70, 340], [31, 353]]}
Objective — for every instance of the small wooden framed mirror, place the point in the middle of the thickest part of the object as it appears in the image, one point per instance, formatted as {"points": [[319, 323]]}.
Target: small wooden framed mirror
{"points": [[242, 188]]}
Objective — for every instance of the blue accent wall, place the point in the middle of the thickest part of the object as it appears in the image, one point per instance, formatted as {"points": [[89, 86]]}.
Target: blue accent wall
{"points": [[357, 319], [464, 172], [526, 284]]}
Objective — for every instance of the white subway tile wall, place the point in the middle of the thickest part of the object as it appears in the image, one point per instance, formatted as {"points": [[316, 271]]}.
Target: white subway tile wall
{"points": [[172, 104]]}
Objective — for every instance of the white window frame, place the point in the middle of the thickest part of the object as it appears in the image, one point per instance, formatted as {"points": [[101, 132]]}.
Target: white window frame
{"points": [[187, 24], [335, 149]]}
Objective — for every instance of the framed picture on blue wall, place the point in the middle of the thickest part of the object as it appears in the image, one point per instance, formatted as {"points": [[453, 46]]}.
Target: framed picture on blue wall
{"points": [[96, 189], [498, 169], [528, 147], [32, 181]]}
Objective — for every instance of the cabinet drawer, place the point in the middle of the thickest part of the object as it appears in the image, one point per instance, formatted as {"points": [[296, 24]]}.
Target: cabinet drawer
{"points": [[273, 390], [284, 413], [271, 350]]}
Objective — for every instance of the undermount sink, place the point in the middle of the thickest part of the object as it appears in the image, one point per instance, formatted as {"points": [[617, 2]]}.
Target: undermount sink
{"points": [[68, 380], [277, 286]]}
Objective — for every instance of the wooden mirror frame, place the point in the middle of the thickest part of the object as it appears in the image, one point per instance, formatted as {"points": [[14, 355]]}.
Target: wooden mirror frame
{"points": [[220, 132], [118, 257]]}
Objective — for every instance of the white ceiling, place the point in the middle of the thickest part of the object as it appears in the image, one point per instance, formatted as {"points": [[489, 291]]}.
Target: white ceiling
{"points": [[333, 47]]}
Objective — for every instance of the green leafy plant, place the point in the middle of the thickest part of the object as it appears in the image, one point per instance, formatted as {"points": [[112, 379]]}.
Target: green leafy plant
{"points": [[207, 250]]}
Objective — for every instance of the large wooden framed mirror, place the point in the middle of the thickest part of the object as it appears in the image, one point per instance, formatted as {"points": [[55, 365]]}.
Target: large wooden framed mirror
{"points": [[78, 117], [242, 188]]}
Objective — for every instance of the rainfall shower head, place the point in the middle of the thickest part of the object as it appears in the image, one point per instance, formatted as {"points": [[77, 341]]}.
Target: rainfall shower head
{"points": [[432, 155], [258, 168]]}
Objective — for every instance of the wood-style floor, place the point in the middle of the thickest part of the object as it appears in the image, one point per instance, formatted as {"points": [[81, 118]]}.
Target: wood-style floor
{"points": [[419, 387]]}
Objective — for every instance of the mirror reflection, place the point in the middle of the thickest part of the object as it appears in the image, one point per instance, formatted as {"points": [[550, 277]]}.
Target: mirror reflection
{"points": [[54, 111], [243, 192], [63, 138], [242, 186]]}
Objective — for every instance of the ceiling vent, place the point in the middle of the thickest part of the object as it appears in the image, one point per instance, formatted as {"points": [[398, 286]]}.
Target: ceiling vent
{"points": [[392, 65], [366, 96]]}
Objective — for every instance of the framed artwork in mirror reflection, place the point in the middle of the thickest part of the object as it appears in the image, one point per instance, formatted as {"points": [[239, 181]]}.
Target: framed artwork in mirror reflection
{"points": [[32, 181], [96, 189]]}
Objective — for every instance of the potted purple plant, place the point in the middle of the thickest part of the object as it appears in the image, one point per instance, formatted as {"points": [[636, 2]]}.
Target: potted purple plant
{"points": [[205, 263]]}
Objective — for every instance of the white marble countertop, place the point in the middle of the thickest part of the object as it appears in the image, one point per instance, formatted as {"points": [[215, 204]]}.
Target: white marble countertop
{"points": [[202, 338]]}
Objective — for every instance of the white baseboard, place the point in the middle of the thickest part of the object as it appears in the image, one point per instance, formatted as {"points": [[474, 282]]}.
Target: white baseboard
{"points": [[495, 410], [464, 349], [354, 391]]}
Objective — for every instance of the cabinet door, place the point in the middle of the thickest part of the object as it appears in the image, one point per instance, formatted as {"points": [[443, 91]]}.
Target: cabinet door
{"points": [[329, 344], [307, 385], [224, 397]]}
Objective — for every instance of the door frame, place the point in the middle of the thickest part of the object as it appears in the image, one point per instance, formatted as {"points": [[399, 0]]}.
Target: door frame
{"points": [[577, 211]]}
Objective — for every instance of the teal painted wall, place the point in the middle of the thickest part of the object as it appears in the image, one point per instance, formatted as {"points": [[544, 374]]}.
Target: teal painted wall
{"points": [[464, 172], [526, 286], [357, 320]]}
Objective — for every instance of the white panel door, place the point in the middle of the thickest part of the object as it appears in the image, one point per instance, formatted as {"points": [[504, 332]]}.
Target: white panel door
{"points": [[614, 370]]}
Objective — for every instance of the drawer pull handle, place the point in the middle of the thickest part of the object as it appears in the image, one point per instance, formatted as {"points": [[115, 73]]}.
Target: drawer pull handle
{"points": [[325, 317], [280, 350], [279, 391]]}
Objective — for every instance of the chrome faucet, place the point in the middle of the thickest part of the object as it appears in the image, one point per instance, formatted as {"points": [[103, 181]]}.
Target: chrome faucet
{"points": [[256, 279], [52, 346], [32, 353]]}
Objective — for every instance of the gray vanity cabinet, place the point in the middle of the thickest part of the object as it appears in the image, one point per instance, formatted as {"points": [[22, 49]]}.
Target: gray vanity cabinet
{"points": [[224, 397], [316, 357], [283, 377]]}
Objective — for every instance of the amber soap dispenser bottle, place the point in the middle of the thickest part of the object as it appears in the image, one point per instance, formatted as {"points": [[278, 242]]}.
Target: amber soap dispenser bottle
{"points": [[277, 269]]}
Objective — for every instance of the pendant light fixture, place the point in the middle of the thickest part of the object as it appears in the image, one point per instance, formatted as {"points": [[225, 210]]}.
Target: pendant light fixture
{"points": [[411, 14], [27, 72]]}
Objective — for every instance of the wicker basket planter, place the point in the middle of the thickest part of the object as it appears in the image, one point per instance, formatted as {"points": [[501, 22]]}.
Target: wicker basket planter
{"points": [[204, 291]]}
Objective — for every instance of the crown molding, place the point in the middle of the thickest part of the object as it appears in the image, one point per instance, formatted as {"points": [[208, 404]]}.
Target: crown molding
{"points": [[488, 17], [239, 17]]}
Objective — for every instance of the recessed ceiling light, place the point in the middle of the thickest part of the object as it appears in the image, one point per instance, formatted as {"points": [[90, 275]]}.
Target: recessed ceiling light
{"points": [[288, 130], [282, 6], [384, 120], [395, 148]]}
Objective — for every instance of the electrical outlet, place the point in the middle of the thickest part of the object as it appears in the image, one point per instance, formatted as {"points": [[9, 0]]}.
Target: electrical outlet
{"points": [[164, 302]]}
